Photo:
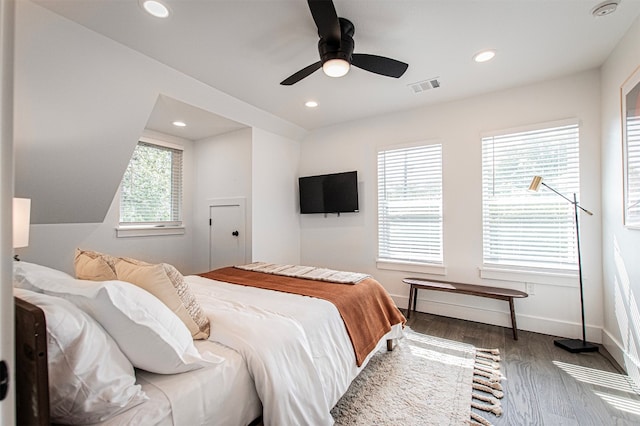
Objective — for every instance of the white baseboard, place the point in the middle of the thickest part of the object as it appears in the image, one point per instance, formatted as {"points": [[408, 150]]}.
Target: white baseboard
{"points": [[630, 364], [502, 318]]}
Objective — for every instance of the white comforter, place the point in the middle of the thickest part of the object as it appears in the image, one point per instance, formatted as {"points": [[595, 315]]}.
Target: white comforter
{"points": [[297, 348]]}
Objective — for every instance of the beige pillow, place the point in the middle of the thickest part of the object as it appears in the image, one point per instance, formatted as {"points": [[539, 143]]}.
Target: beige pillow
{"points": [[167, 284], [94, 266]]}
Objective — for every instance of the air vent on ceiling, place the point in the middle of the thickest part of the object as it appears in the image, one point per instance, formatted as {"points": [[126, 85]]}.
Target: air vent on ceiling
{"points": [[422, 86]]}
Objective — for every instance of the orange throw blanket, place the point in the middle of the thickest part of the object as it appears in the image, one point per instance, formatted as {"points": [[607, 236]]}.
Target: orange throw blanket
{"points": [[366, 308]]}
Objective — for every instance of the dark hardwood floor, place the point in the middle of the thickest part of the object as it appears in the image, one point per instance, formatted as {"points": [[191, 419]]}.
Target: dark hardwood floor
{"points": [[544, 384]]}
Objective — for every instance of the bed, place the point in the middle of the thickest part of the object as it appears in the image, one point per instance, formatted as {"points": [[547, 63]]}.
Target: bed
{"points": [[271, 357]]}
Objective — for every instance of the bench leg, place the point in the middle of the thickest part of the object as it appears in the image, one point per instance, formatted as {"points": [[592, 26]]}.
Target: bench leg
{"points": [[513, 319], [410, 302]]}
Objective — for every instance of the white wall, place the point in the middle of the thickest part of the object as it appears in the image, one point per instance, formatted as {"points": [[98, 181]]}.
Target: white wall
{"points": [[53, 245], [82, 102], [223, 170], [276, 232], [7, 406], [620, 246], [349, 241]]}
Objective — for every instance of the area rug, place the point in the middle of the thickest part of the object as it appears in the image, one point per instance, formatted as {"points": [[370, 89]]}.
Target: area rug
{"points": [[425, 380]]}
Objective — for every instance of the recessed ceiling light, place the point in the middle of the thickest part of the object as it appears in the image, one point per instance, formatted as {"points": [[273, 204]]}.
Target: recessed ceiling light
{"points": [[311, 104], [155, 8], [484, 56], [179, 124]]}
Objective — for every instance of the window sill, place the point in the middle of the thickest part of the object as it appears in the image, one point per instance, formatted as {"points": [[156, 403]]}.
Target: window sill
{"points": [[148, 231], [558, 278], [424, 268]]}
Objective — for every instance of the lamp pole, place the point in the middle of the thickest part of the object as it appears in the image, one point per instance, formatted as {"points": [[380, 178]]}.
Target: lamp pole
{"points": [[575, 345], [572, 345]]}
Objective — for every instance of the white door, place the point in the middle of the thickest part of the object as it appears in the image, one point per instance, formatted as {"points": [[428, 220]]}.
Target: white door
{"points": [[226, 235]]}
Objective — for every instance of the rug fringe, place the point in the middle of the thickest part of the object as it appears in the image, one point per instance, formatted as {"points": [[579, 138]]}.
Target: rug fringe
{"points": [[493, 376], [487, 363], [486, 378], [477, 419], [487, 389], [495, 409], [486, 355], [487, 368], [491, 351], [488, 383]]}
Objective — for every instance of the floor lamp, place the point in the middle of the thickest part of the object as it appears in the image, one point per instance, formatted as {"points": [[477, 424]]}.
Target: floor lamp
{"points": [[571, 345]]}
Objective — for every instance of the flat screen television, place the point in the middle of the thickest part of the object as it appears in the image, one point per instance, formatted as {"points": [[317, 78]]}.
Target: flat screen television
{"points": [[332, 193]]}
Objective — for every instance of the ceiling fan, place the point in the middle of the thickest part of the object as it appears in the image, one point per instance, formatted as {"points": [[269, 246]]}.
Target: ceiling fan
{"points": [[336, 48]]}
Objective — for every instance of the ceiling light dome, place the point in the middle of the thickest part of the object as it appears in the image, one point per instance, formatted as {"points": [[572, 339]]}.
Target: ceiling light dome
{"points": [[336, 67]]}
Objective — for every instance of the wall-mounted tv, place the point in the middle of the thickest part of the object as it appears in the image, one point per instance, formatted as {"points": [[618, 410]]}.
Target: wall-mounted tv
{"points": [[332, 193]]}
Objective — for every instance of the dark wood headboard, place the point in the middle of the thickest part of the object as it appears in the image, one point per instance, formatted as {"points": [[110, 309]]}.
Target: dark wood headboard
{"points": [[32, 377]]}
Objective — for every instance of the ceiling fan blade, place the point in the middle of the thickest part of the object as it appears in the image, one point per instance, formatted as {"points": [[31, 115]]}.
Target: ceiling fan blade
{"points": [[304, 72], [379, 65], [326, 19]]}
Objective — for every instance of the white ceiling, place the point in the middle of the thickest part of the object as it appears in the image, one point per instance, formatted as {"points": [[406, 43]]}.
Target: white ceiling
{"points": [[200, 123], [246, 47]]}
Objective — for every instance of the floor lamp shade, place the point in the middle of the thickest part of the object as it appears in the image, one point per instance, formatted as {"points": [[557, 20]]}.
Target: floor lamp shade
{"points": [[535, 183], [21, 220]]}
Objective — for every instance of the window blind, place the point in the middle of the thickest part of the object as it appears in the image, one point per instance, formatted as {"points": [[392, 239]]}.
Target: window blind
{"points": [[151, 189], [633, 171], [410, 204], [522, 228]]}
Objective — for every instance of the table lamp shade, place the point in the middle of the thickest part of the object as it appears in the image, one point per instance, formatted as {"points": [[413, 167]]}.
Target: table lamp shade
{"points": [[21, 219]]}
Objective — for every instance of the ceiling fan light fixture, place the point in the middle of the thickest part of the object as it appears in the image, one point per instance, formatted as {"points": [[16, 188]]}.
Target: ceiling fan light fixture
{"points": [[336, 67], [155, 8]]}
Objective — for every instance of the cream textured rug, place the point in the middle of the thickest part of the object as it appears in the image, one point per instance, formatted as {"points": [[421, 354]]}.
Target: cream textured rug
{"points": [[424, 381]]}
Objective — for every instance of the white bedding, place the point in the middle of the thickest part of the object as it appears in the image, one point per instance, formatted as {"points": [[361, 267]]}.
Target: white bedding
{"points": [[296, 347], [287, 357], [222, 394]]}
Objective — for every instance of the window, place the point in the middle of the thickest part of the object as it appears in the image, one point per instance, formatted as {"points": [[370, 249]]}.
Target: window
{"points": [[521, 228], [633, 171], [151, 189], [410, 204]]}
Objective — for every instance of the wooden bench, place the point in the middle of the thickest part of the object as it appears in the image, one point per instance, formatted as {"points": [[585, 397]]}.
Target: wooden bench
{"points": [[469, 289]]}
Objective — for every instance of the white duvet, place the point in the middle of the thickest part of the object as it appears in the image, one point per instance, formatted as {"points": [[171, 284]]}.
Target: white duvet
{"points": [[297, 348]]}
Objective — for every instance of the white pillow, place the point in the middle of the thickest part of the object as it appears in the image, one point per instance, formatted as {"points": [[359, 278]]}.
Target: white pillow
{"points": [[151, 336], [31, 276], [90, 380]]}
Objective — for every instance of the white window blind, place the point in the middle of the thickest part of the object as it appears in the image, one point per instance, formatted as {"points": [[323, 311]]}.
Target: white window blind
{"points": [[151, 189], [528, 229], [633, 171], [410, 204]]}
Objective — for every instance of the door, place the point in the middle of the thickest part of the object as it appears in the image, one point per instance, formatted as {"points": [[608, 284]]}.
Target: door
{"points": [[226, 235]]}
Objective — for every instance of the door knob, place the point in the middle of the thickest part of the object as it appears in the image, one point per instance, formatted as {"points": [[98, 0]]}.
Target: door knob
{"points": [[235, 233]]}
